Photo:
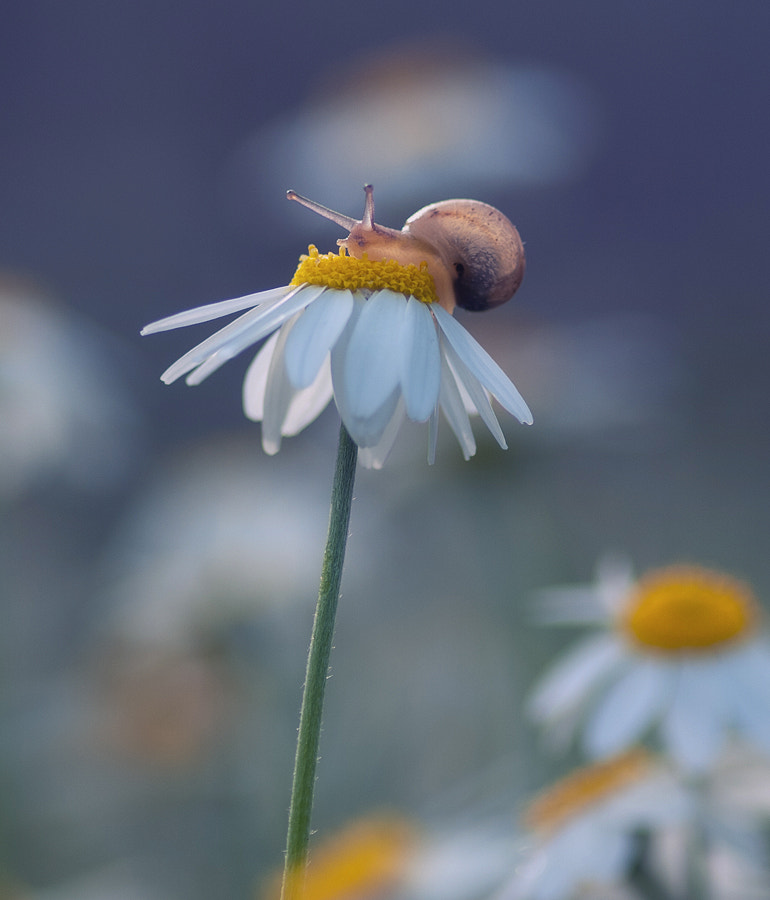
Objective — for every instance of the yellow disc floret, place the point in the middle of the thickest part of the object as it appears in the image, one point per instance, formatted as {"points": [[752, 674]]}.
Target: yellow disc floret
{"points": [[585, 787], [342, 272], [688, 608]]}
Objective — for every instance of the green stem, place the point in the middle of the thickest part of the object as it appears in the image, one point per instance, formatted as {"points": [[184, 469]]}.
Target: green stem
{"points": [[697, 886], [317, 670]]}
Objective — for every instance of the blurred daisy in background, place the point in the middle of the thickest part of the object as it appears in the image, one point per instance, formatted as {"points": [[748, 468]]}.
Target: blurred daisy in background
{"points": [[362, 861], [388, 855], [376, 335], [204, 585], [64, 415], [214, 541], [681, 650], [392, 118], [584, 830]]}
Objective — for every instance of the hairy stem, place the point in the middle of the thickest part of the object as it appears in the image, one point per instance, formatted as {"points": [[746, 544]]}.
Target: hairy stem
{"points": [[317, 670]]}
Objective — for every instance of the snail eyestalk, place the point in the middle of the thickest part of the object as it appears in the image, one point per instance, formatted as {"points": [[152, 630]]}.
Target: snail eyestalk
{"points": [[338, 218]]}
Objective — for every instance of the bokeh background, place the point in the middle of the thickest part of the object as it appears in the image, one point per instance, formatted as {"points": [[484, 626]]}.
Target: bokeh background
{"points": [[158, 571]]}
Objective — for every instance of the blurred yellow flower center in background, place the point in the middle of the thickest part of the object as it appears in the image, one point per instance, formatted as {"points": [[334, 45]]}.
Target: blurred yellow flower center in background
{"points": [[358, 863], [584, 787], [688, 608], [342, 272]]}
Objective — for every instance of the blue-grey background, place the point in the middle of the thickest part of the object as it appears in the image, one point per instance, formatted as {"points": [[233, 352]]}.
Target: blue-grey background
{"points": [[144, 152]]}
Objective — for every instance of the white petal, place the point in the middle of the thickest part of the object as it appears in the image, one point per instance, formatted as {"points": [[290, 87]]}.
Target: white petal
{"points": [[309, 403], [339, 353], [614, 581], [755, 663], [305, 406], [481, 364], [748, 685], [575, 676], [215, 310], [476, 392], [433, 436], [368, 431], [279, 393], [694, 725], [374, 457], [568, 606], [454, 410], [591, 853], [659, 797], [420, 362], [316, 332], [373, 358], [255, 380], [578, 854], [244, 331], [200, 352], [628, 708]]}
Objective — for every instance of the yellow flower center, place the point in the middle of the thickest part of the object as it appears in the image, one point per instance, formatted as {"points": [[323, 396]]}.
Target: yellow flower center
{"points": [[343, 272], [688, 608], [585, 787], [358, 863]]}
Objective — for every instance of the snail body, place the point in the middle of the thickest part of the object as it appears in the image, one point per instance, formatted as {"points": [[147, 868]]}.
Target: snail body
{"points": [[473, 252]]}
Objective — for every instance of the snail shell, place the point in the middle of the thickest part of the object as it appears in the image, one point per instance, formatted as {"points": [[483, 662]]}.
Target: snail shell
{"points": [[473, 252], [478, 245]]}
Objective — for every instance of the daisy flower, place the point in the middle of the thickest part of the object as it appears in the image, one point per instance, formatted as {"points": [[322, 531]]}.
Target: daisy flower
{"points": [[680, 651], [584, 829], [372, 327]]}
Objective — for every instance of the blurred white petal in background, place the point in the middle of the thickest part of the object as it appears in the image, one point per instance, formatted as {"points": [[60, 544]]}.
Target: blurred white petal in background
{"points": [[424, 120], [216, 537], [62, 412]]}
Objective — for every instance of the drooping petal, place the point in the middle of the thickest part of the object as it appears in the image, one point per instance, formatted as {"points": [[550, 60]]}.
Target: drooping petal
{"points": [[374, 457], [373, 358], [215, 310], [454, 408], [309, 403], [255, 380], [316, 332], [279, 393], [420, 362], [305, 405], [247, 329], [368, 431], [628, 708], [481, 364], [432, 436], [339, 353], [477, 394]]}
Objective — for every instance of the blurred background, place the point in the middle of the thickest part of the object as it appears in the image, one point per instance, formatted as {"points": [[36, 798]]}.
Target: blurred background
{"points": [[158, 572]]}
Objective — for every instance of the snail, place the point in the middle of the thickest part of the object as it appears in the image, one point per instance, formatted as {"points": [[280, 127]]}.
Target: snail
{"points": [[473, 252]]}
